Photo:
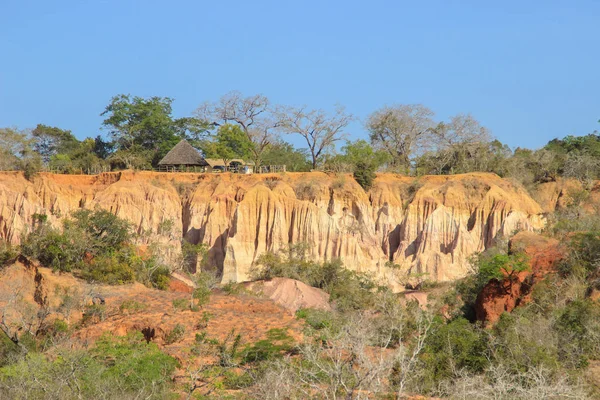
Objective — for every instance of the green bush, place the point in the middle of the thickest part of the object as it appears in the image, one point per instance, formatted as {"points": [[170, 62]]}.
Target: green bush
{"points": [[348, 289], [61, 251], [87, 234], [94, 313], [453, 347], [131, 307], [275, 345], [7, 253], [316, 319], [364, 174], [524, 341], [175, 335], [584, 255], [237, 381], [32, 167], [104, 229], [112, 270], [577, 325], [181, 304], [202, 292]]}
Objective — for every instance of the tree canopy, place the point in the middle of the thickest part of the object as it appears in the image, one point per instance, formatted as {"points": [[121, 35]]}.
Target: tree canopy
{"points": [[402, 138], [147, 127]]}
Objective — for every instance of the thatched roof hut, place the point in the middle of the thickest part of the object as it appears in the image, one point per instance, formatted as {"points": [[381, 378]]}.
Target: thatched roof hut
{"points": [[183, 154]]}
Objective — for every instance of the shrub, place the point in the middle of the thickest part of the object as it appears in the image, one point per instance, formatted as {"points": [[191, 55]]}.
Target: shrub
{"points": [[518, 343], [577, 325], [204, 283], [7, 253], [181, 304], [307, 190], [452, 347], [349, 290], [339, 182], [175, 335], [228, 349], [316, 319], [138, 365], [500, 266], [32, 167], [584, 256], [131, 307], [410, 191], [277, 342], [88, 234], [104, 229], [112, 270], [364, 174], [203, 322], [94, 313], [235, 381], [165, 227]]}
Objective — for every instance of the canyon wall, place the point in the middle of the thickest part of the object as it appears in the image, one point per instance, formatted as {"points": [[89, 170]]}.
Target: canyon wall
{"points": [[403, 226]]}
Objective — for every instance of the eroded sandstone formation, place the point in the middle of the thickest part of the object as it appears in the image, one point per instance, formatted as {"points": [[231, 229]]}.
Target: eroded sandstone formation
{"points": [[426, 226]]}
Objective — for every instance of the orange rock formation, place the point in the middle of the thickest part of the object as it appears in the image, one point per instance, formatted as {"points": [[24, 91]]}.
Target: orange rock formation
{"points": [[428, 225]]}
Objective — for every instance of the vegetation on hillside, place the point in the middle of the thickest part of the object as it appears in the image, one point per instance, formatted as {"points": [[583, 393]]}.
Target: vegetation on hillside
{"points": [[372, 343]]}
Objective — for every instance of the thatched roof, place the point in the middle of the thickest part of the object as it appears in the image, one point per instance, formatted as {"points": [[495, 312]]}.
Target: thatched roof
{"points": [[183, 154]]}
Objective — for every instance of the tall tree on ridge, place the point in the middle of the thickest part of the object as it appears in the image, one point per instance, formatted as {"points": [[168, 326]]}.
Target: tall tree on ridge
{"points": [[319, 130]]}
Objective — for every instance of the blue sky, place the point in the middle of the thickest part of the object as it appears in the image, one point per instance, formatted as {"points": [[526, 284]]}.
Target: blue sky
{"points": [[528, 70]]}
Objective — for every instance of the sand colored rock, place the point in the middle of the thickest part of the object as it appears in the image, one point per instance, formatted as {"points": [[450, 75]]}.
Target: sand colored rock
{"points": [[427, 226], [291, 294]]}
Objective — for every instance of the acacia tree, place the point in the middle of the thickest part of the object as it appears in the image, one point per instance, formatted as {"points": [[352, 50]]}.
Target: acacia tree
{"points": [[319, 130], [253, 114], [403, 131]]}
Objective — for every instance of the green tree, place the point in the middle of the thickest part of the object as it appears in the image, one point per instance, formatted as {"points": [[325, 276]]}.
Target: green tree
{"points": [[283, 153], [15, 148], [228, 143], [50, 141], [142, 125]]}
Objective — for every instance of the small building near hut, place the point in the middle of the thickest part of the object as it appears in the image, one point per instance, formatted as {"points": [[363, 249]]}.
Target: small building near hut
{"points": [[182, 157], [236, 165]]}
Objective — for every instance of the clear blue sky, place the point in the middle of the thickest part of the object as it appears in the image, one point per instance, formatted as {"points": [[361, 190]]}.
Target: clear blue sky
{"points": [[528, 70]]}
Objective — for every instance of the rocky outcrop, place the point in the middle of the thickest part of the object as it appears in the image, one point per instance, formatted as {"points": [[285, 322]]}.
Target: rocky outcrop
{"points": [[403, 226], [291, 294], [499, 296]]}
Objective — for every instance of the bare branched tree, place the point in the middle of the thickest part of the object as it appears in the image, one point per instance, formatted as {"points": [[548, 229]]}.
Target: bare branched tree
{"points": [[319, 130], [365, 356], [458, 142], [253, 114], [403, 131], [500, 383]]}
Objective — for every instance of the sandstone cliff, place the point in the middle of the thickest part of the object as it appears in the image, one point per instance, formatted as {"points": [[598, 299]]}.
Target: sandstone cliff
{"points": [[428, 226]]}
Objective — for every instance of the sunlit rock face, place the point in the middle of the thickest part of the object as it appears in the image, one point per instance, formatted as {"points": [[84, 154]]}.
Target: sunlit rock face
{"points": [[402, 226]]}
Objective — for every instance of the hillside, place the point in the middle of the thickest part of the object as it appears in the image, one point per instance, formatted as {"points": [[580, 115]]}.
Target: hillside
{"points": [[428, 225]]}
